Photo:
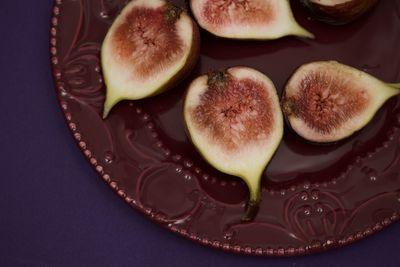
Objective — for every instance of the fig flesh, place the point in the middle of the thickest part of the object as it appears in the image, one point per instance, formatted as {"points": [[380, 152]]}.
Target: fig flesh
{"points": [[149, 48], [234, 120], [327, 101], [337, 12], [247, 19]]}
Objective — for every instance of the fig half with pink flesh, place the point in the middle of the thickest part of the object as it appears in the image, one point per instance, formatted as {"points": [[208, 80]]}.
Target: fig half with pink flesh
{"points": [[149, 48], [233, 118], [247, 19], [338, 12], [327, 101]]}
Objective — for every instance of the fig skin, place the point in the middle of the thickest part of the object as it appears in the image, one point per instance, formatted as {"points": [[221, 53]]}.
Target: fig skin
{"points": [[341, 13], [284, 25], [207, 98], [325, 102], [113, 96]]}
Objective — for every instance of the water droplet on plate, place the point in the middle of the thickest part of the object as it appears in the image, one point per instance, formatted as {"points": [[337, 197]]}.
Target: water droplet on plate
{"points": [[307, 185], [228, 235], [320, 208], [314, 195], [304, 196], [176, 158], [188, 163], [63, 93], [104, 14], [307, 210], [109, 157]]}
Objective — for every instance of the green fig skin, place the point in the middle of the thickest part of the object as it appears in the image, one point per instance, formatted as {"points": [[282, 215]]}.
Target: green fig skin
{"points": [[208, 98], [325, 102]]}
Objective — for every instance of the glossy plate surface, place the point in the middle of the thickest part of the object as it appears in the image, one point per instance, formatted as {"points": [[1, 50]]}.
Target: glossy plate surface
{"points": [[313, 197]]}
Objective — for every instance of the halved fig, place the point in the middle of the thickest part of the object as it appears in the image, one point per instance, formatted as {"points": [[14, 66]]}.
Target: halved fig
{"points": [[327, 101], [150, 47], [234, 119], [338, 12], [247, 19]]}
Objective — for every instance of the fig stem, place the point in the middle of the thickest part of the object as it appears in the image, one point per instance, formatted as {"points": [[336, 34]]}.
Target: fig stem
{"points": [[252, 205], [173, 13], [217, 79], [250, 214]]}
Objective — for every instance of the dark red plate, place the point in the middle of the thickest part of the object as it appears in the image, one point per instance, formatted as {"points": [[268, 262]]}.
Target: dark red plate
{"points": [[313, 197]]}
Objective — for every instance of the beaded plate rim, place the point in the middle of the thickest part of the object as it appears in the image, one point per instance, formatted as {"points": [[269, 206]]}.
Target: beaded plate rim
{"points": [[245, 250]]}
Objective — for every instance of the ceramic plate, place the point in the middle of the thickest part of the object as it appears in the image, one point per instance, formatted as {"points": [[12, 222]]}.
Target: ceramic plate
{"points": [[313, 197]]}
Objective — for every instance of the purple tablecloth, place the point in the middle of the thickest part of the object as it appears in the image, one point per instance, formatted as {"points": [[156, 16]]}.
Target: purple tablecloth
{"points": [[55, 211]]}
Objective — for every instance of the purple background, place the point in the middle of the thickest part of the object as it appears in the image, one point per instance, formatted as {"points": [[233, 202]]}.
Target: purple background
{"points": [[56, 211]]}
